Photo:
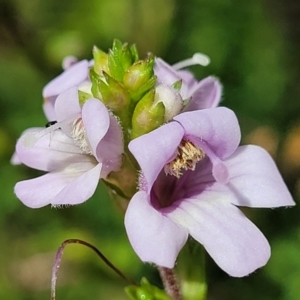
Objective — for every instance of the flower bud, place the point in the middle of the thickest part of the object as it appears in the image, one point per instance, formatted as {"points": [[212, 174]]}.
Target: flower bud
{"points": [[147, 116], [120, 58], [170, 98], [139, 78]]}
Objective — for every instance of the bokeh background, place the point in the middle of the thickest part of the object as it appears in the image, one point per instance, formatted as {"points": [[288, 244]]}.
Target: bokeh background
{"points": [[254, 47]]}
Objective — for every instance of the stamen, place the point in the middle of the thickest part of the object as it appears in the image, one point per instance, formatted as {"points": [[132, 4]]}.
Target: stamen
{"points": [[79, 136], [196, 59], [186, 159]]}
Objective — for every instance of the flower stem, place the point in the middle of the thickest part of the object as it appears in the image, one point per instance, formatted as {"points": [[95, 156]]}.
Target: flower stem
{"points": [[170, 282]]}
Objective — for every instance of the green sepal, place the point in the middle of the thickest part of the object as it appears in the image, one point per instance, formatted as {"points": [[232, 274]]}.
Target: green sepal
{"points": [[115, 97], [134, 53], [146, 291], [100, 61], [83, 97], [95, 79], [119, 59], [140, 78], [177, 85], [147, 116]]}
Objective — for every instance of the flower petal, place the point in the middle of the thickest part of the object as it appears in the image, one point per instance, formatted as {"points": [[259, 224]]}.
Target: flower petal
{"points": [[95, 118], [255, 179], [104, 134], [48, 108], [73, 76], [153, 237], [67, 109], [218, 128], [59, 187], [165, 73], [155, 149], [207, 94], [236, 244], [53, 151], [80, 189]]}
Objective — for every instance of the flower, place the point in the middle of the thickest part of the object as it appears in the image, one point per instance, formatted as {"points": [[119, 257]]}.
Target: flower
{"points": [[203, 94], [83, 146], [193, 175], [75, 74]]}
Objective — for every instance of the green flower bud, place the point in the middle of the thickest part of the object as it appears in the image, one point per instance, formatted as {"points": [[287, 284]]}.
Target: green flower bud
{"points": [[147, 116], [120, 58], [139, 78]]}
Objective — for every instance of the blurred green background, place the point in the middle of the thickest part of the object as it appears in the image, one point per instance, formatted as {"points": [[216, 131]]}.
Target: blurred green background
{"points": [[254, 47]]}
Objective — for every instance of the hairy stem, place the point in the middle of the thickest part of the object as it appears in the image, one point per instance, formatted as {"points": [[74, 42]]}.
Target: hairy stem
{"points": [[170, 282]]}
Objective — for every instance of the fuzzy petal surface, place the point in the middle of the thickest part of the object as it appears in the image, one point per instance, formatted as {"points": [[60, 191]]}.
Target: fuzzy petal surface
{"points": [[255, 179], [207, 94], [235, 244], [154, 237], [155, 149], [73, 76], [218, 128]]}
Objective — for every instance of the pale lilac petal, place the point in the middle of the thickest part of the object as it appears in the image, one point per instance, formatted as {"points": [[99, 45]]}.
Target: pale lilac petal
{"points": [[48, 108], [95, 117], [218, 128], [60, 187], [80, 189], [53, 151], [168, 75], [155, 149], [153, 237], [104, 134], [236, 244], [67, 109], [255, 179], [207, 94], [164, 72], [15, 160], [73, 76]]}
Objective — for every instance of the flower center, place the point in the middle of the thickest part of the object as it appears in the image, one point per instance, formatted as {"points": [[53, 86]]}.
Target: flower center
{"points": [[186, 159], [79, 135]]}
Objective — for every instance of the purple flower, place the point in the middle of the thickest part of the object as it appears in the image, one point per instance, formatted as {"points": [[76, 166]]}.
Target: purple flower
{"points": [[85, 145], [203, 94], [193, 175], [75, 74]]}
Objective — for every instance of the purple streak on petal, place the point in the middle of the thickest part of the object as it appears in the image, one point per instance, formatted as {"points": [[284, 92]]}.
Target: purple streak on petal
{"points": [[217, 127], [206, 94], [73, 76], [154, 237], [155, 149], [236, 244], [256, 180]]}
